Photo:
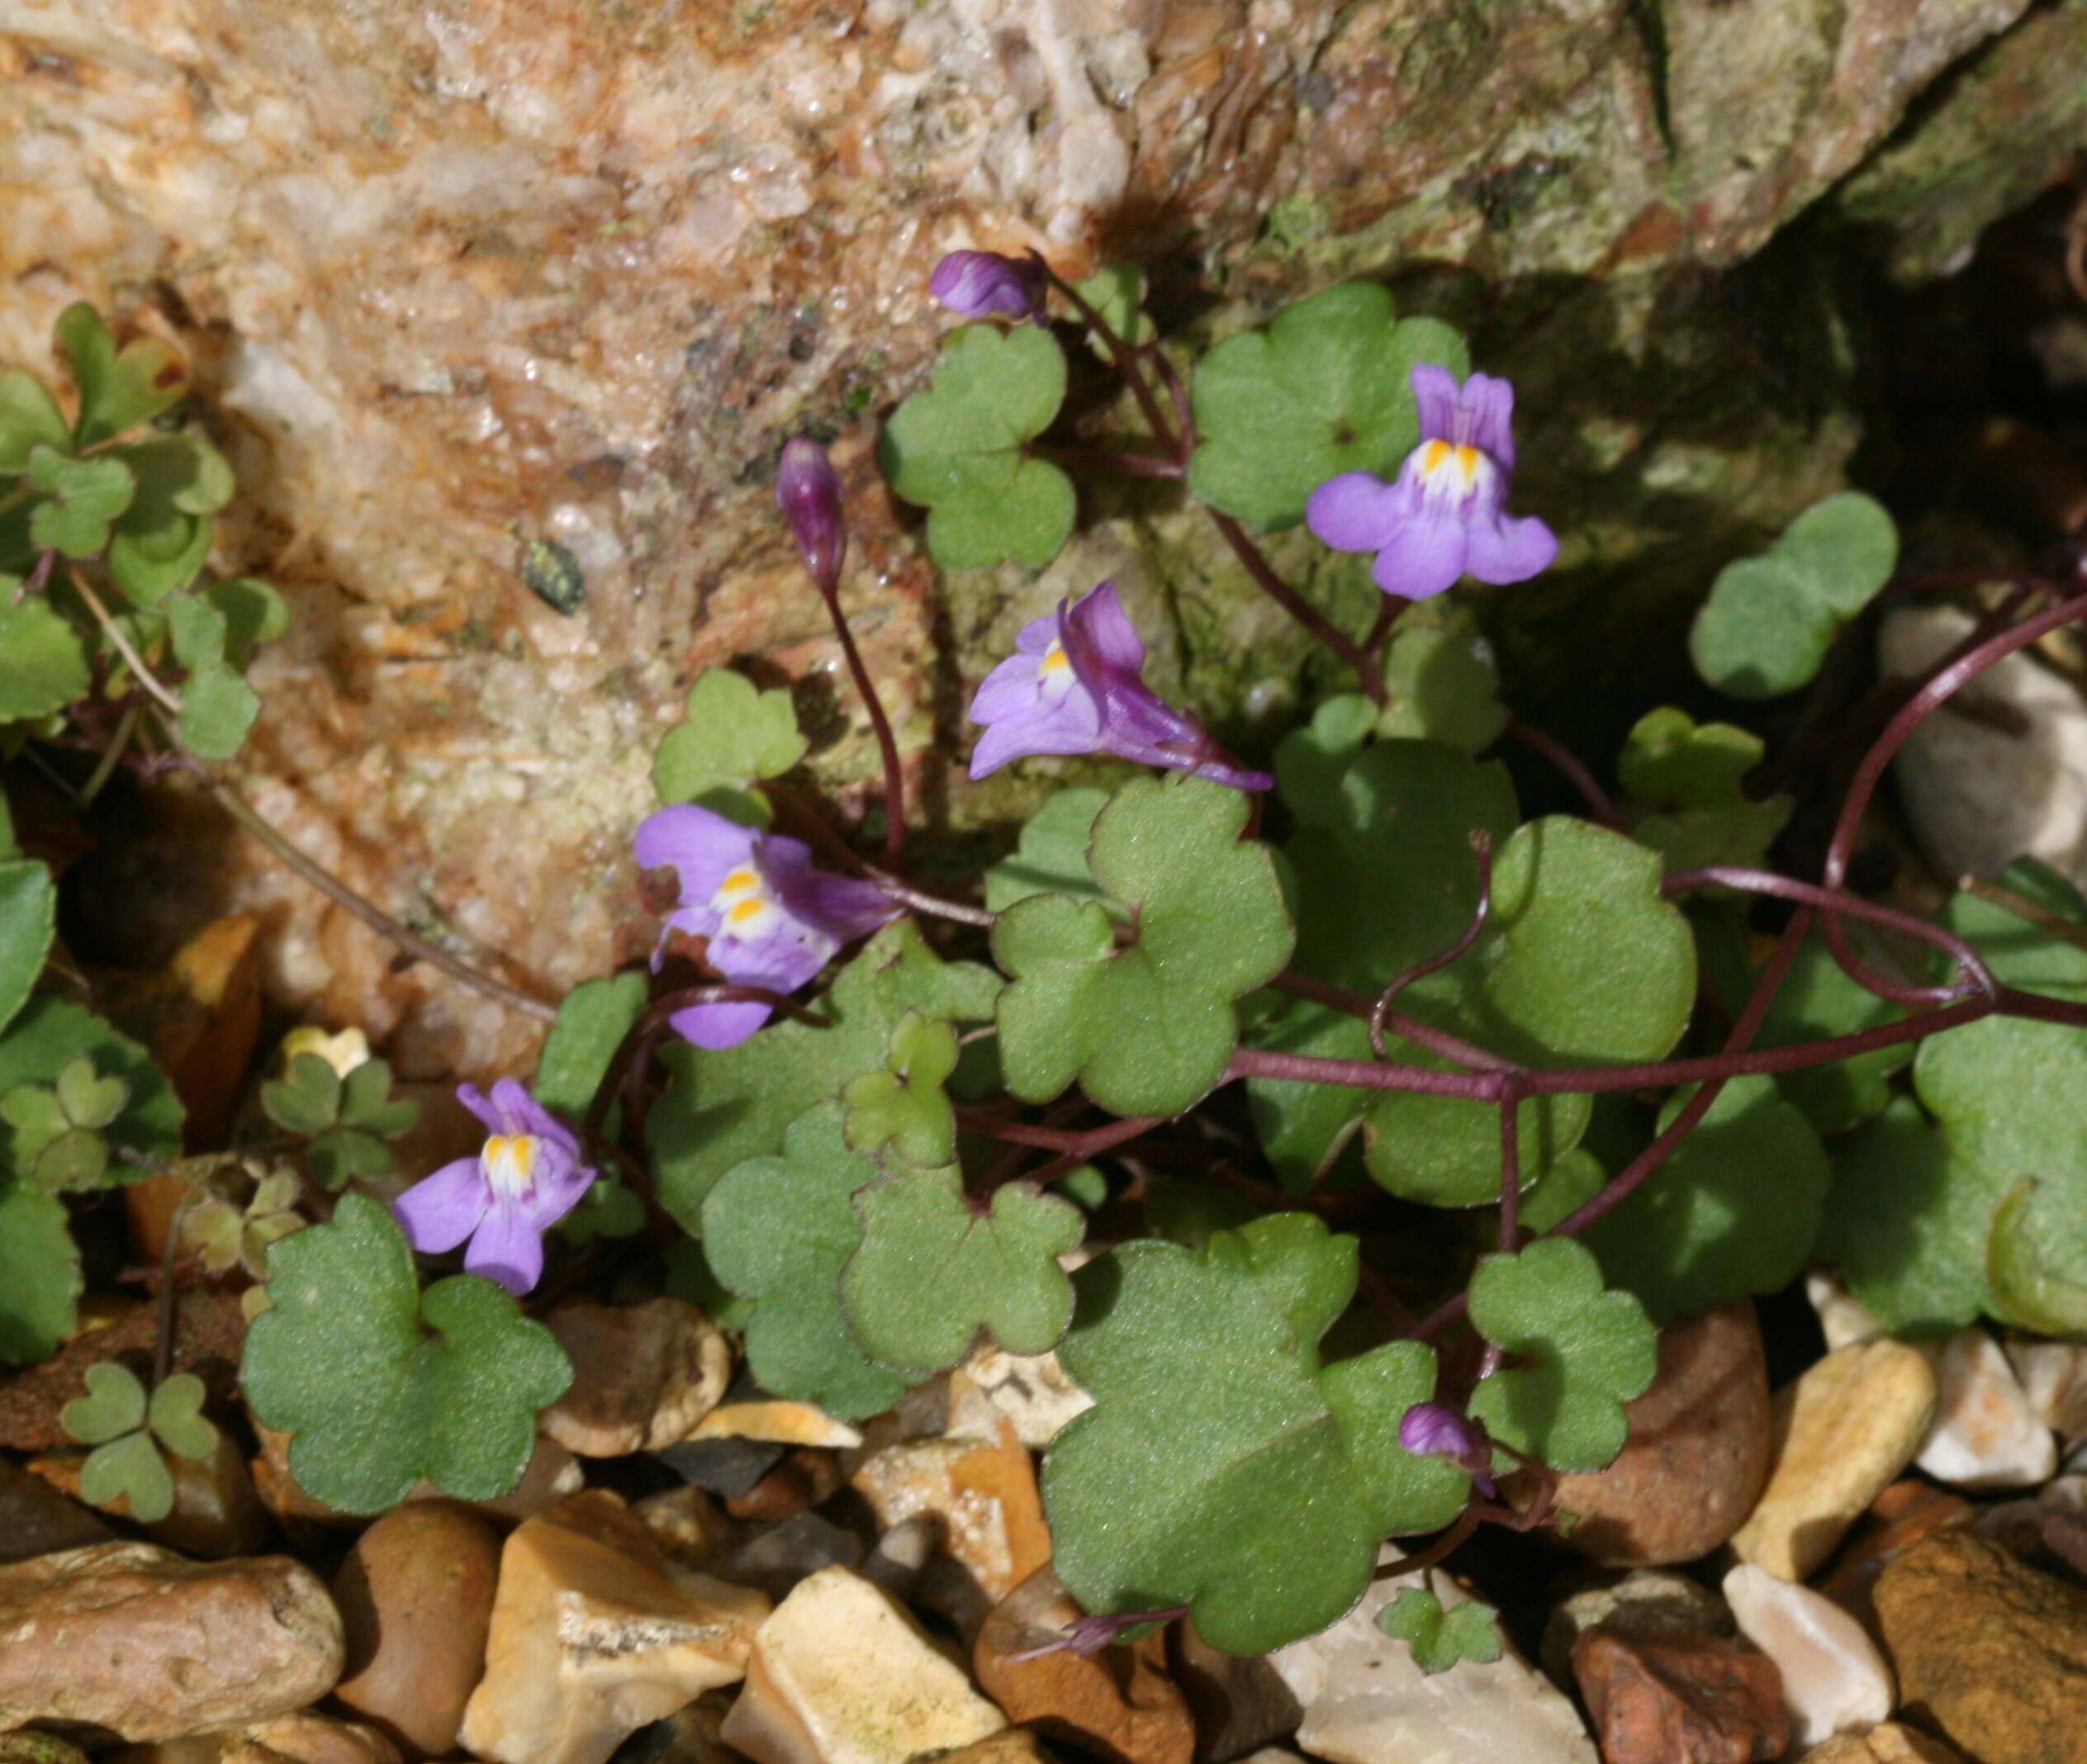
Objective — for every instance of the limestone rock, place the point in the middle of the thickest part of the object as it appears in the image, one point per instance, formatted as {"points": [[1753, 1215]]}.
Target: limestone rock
{"points": [[977, 1480], [1989, 1649], [1846, 1428], [1239, 1702], [1697, 1452], [1986, 1433], [1119, 1703], [416, 1594], [596, 1634], [1032, 1389], [643, 1375], [36, 1519], [1013, 1745], [26, 1745], [1694, 1700], [1645, 1605], [132, 1641], [841, 1674], [1834, 1678], [1366, 1702], [1890, 1743]]}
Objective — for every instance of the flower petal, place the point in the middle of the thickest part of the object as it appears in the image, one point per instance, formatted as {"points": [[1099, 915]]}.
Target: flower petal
{"points": [[1424, 556], [717, 1026], [1100, 634], [489, 1115], [506, 1248], [1434, 390], [1510, 549], [516, 1106], [439, 1213], [704, 847], [1489, 412], [561, 1180], [1357, 511]]}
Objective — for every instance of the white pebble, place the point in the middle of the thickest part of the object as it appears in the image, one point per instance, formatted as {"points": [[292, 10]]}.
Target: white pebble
{"points": [[1833, 1676], [1986, 1433]]}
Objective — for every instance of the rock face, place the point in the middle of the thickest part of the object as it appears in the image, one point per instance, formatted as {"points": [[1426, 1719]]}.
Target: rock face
{"points": [[1988, 1648], [1697, 1454], [132, 1641], [463, 277]]}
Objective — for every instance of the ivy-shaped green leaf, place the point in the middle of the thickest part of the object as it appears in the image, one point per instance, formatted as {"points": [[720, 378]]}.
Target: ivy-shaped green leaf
{"points": [[733, 736], [958, 448], [1050, 857], [1440, 1639], [1685, 778], [49, 1036], [1769, 620], [28, 923], [1223, 1466], [253, 614], [1735, 1210], [1311, 762], [218, 707], [42, 663], [119, 388], [84, 498], [904, 1107], [29, 418], [778, 1230], [609, 1209], [935, 1266], [163, 538], [593, 1019], [1325, 389], [2022, 1290], [1585, 1352], [40, 1273], [727, 1106], [1147, 1026], [1117, 291], [343, 1361], [1441, 682]]}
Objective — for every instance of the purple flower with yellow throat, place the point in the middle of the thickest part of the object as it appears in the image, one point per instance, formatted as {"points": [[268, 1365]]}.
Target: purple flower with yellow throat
{"points": [[1445, 517], [771, 920], [526, 1177], [1075, 684]]}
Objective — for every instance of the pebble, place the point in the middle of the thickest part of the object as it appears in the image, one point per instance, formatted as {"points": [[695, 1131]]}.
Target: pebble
{"points": [[1032, 1389], [1684, 1700], [1647, 1605], [1888, 1744], [1834, 1678], [1013, 1745], [804, 1477], [724, 1467], [1899, 1518], [1119, 1704], [1992, 1651], [209, 1330], [36, 1519], [215, 1514], [775, 1557], [1844, 1431], [1843, 1318], [553, 1474], [1986, 1433], [839, 1674], [687, 1523], [135, 1643], [594, 1633], [901, 1554], [307, 1738], [1366, 1702], [1240, 1701], [643, 1375], [775, 1422], [688, 1736], [977, 1480], [2021, 1525], [415, 1593], [2054, 1378], [1697, 1452]]}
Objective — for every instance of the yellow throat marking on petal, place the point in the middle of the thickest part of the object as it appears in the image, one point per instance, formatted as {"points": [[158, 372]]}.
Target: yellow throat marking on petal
{"points": [[1055, 660], [508, 1161], [741, 911], [1432, 460], [739, 882], [1438, 454]]}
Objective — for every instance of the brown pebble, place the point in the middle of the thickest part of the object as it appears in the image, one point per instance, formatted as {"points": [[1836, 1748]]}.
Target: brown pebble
{"points": [[801, 1480], [1698, 1700]]}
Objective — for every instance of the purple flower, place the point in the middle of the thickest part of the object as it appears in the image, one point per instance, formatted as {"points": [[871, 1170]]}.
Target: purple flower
{"points": [[1434, 1429], [771, 919], [808, 490], [977, 284], [526, 1177], [1075, 685], [1444, 517]]}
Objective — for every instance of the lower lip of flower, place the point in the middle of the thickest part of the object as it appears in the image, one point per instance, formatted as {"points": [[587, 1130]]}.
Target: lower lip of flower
{"points": [[509, 1163]]}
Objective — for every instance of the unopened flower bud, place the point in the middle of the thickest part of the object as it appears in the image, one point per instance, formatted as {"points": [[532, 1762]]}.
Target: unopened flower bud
{"points": [[1434, 1429], [978, 284], [808, 490]]}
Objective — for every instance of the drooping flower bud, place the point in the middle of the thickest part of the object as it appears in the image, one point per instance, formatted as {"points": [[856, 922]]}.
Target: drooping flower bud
{"points": [[808, 490], [1434, 1429], [978, 284]]}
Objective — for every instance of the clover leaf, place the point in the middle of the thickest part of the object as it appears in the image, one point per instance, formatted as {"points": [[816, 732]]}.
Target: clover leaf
{"points": [[1439, 1640], [40, 1044], [1223, 1466], [85, 496], [28, 924], [1146, 1027], [119, 388], [904, 1106], [733, 736], [593, 1018], [1588, 1352], [380, 1384], [1685, 777], [1050, 857], [127, 1432], [1735, 1210], [131, 1470], [29, 418], [1769, 620], [1326, 388], [58, 1141], [175, 1415], [957, 448], [778, 1230], [306, 1099], [935, 1266], [225, 1237], [114, 1404], [727, 1106], [39, 1273], [42, 663]]}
